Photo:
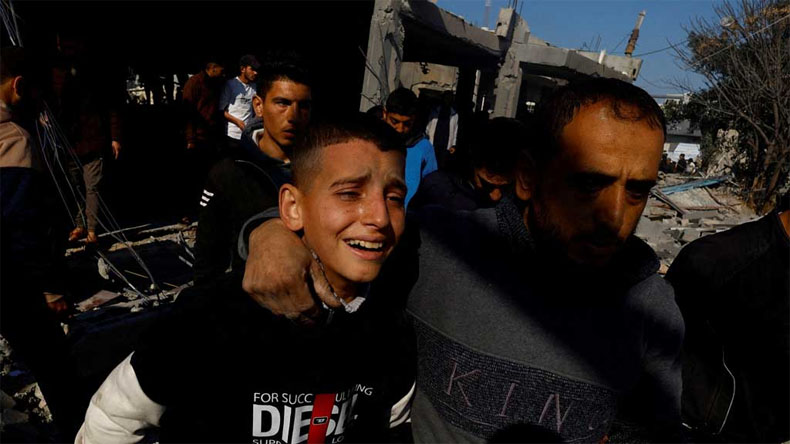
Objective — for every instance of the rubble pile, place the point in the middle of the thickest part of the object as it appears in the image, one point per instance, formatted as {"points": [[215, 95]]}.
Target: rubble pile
{"points": [[101, 297], [682, 209], [25, 416]]}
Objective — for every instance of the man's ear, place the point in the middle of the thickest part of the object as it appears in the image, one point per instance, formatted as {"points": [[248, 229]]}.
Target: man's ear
{"points": [[291, 207], [257, 105], [18, 85], [525, 181]]}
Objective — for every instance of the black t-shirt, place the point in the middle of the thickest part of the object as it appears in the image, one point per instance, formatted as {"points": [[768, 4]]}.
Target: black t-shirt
{"points": [[229, 371]]}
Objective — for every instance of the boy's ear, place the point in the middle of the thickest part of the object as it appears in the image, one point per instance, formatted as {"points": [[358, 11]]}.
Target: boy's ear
{"points": [[257, 105], [291, 207], [525, 179]]}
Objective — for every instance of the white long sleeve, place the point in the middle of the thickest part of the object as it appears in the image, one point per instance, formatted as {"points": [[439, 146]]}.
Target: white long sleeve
{"points": [[119, 412], [401, 411]]}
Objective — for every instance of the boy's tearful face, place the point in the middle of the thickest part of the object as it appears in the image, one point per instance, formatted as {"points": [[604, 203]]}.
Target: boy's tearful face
{"points": [[352, 210]]}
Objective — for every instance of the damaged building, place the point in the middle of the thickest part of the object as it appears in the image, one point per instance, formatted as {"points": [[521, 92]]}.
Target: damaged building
{"points": [[504, 71]]}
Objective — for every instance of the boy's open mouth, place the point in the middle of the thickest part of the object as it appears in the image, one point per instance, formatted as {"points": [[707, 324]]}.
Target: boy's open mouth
{"points": [[365, 245]]}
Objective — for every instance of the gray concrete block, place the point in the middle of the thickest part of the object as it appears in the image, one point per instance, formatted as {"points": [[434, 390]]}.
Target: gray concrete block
{"points": [[651, 231]]}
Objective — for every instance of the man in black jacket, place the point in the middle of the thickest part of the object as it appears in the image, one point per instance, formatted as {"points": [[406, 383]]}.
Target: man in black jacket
{"points": [[238, 189], [733, 289]]}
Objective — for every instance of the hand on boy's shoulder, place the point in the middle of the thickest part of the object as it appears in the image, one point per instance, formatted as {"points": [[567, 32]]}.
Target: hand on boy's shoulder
{"points": [[281, 275]]}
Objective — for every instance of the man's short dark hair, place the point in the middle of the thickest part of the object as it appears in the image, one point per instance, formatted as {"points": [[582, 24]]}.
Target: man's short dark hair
{"points": [[212, 63], [557, 111], [249, 60], [14, 62], [305, 161], [497, 144], [279, 65], [402, 101]]}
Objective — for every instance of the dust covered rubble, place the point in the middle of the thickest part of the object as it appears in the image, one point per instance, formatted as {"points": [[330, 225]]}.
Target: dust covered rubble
{"points": [[704, 210]]}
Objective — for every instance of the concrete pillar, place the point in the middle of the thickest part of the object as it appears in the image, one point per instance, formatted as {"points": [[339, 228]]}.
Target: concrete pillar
{"points": [[385, 53], [513, 28]]}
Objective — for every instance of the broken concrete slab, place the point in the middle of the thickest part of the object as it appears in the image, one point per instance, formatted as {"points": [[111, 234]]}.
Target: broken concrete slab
{"points": [[658, 212], [690, 234], [697, 215], [693, 198], [651, 231]]}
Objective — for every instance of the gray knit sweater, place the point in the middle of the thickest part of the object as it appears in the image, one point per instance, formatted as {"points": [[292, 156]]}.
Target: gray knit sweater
{"points": [[513, 347]]}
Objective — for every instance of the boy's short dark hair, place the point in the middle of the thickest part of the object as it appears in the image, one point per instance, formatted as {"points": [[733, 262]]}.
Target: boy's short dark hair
{"points": [[306, 156], [14, 63], [402, 101], [282, 65], [554, 113]]}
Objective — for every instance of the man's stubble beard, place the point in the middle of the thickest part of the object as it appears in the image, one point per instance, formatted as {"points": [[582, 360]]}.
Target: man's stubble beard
{"points": [[550, 246]]}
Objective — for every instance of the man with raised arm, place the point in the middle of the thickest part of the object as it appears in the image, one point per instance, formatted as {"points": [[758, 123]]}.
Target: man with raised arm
{"points": [[540, 320]]}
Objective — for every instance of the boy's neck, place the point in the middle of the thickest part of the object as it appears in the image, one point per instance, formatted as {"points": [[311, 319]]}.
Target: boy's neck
{"points": [[345, 290]]}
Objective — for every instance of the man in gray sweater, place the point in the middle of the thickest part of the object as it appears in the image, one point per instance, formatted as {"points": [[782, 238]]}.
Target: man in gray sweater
{"points": [[542, 319]]}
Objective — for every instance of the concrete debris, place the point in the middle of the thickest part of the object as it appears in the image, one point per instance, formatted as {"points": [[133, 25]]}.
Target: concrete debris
{"points": [[695, 209], [100, 298], [11, 416], [6, 400], [178, 233], [694, 198]]}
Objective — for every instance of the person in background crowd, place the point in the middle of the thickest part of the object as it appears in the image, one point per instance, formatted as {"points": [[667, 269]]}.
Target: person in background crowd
{"points": [[400, 112], [89, 115], [201, 101], [239, 189], [442, 129], [32, 286], [680, 167], [235, 102], [493, 156], [666, 164], [691, 167]]}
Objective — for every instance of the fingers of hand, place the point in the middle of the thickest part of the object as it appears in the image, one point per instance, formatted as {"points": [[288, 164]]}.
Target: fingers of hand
{"points": [[321, 286]]}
